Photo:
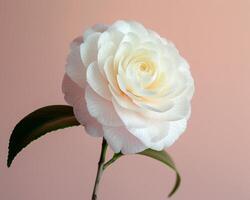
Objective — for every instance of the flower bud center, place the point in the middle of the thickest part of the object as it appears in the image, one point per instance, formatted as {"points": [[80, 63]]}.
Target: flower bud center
{"points": [[144, 67]]}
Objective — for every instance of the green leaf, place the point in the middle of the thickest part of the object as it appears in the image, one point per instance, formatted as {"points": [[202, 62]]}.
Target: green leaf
{"points": [[37, 124], [163, 157]]}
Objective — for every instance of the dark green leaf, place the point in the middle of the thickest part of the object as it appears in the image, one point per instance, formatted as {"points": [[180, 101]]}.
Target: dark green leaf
{"points": [[163, 157], [38, 123]]}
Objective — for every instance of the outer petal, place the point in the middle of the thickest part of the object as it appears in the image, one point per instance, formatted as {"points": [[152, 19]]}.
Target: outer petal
{"points": [[89, 50], [101, 109], [151, 135], [129, 26], [130, 118], [97, 81], [74, 95], [122, 26], [180, 110], [74, 66], [157, 136], [104, 52], [176, 128], [99, 28], [120, 139]]}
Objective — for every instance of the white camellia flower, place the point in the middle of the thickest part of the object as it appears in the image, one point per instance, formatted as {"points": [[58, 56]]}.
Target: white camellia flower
{"points": [[130, 85]]}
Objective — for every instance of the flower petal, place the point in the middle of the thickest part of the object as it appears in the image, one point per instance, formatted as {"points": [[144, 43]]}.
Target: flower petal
{"points": [[180, 109], [74, 96], [157, 135], [101, 109], [74, 66], [120, 139], [129, 26], [130, 118], [110, 73], [96, 28], [97, 81], [176, 128], [88, 49], [104, 52], [72, 91]]}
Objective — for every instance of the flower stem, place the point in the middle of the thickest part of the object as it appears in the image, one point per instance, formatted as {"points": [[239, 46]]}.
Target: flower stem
{"points": [[100, 169]]}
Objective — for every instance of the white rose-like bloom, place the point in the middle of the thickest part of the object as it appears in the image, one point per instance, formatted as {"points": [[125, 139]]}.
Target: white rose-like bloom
{"points": [[130, 85]]}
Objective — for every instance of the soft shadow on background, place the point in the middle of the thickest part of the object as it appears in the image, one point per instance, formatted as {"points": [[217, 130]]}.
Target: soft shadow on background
{"points": [[212, 155]]}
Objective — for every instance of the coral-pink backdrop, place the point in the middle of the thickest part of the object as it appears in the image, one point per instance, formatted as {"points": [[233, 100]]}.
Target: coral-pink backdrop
{"points": [[212, 156]]}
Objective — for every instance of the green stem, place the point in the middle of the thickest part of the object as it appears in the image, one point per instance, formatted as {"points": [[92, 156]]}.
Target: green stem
{"points": [[100, 169], [113, 159]]}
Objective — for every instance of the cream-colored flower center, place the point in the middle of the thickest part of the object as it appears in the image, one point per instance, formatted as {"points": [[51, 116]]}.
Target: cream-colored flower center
{"points": [[142, 76]]}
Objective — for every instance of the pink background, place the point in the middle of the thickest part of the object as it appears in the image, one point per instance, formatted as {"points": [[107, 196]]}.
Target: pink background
{"points": [[212, 156]]}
